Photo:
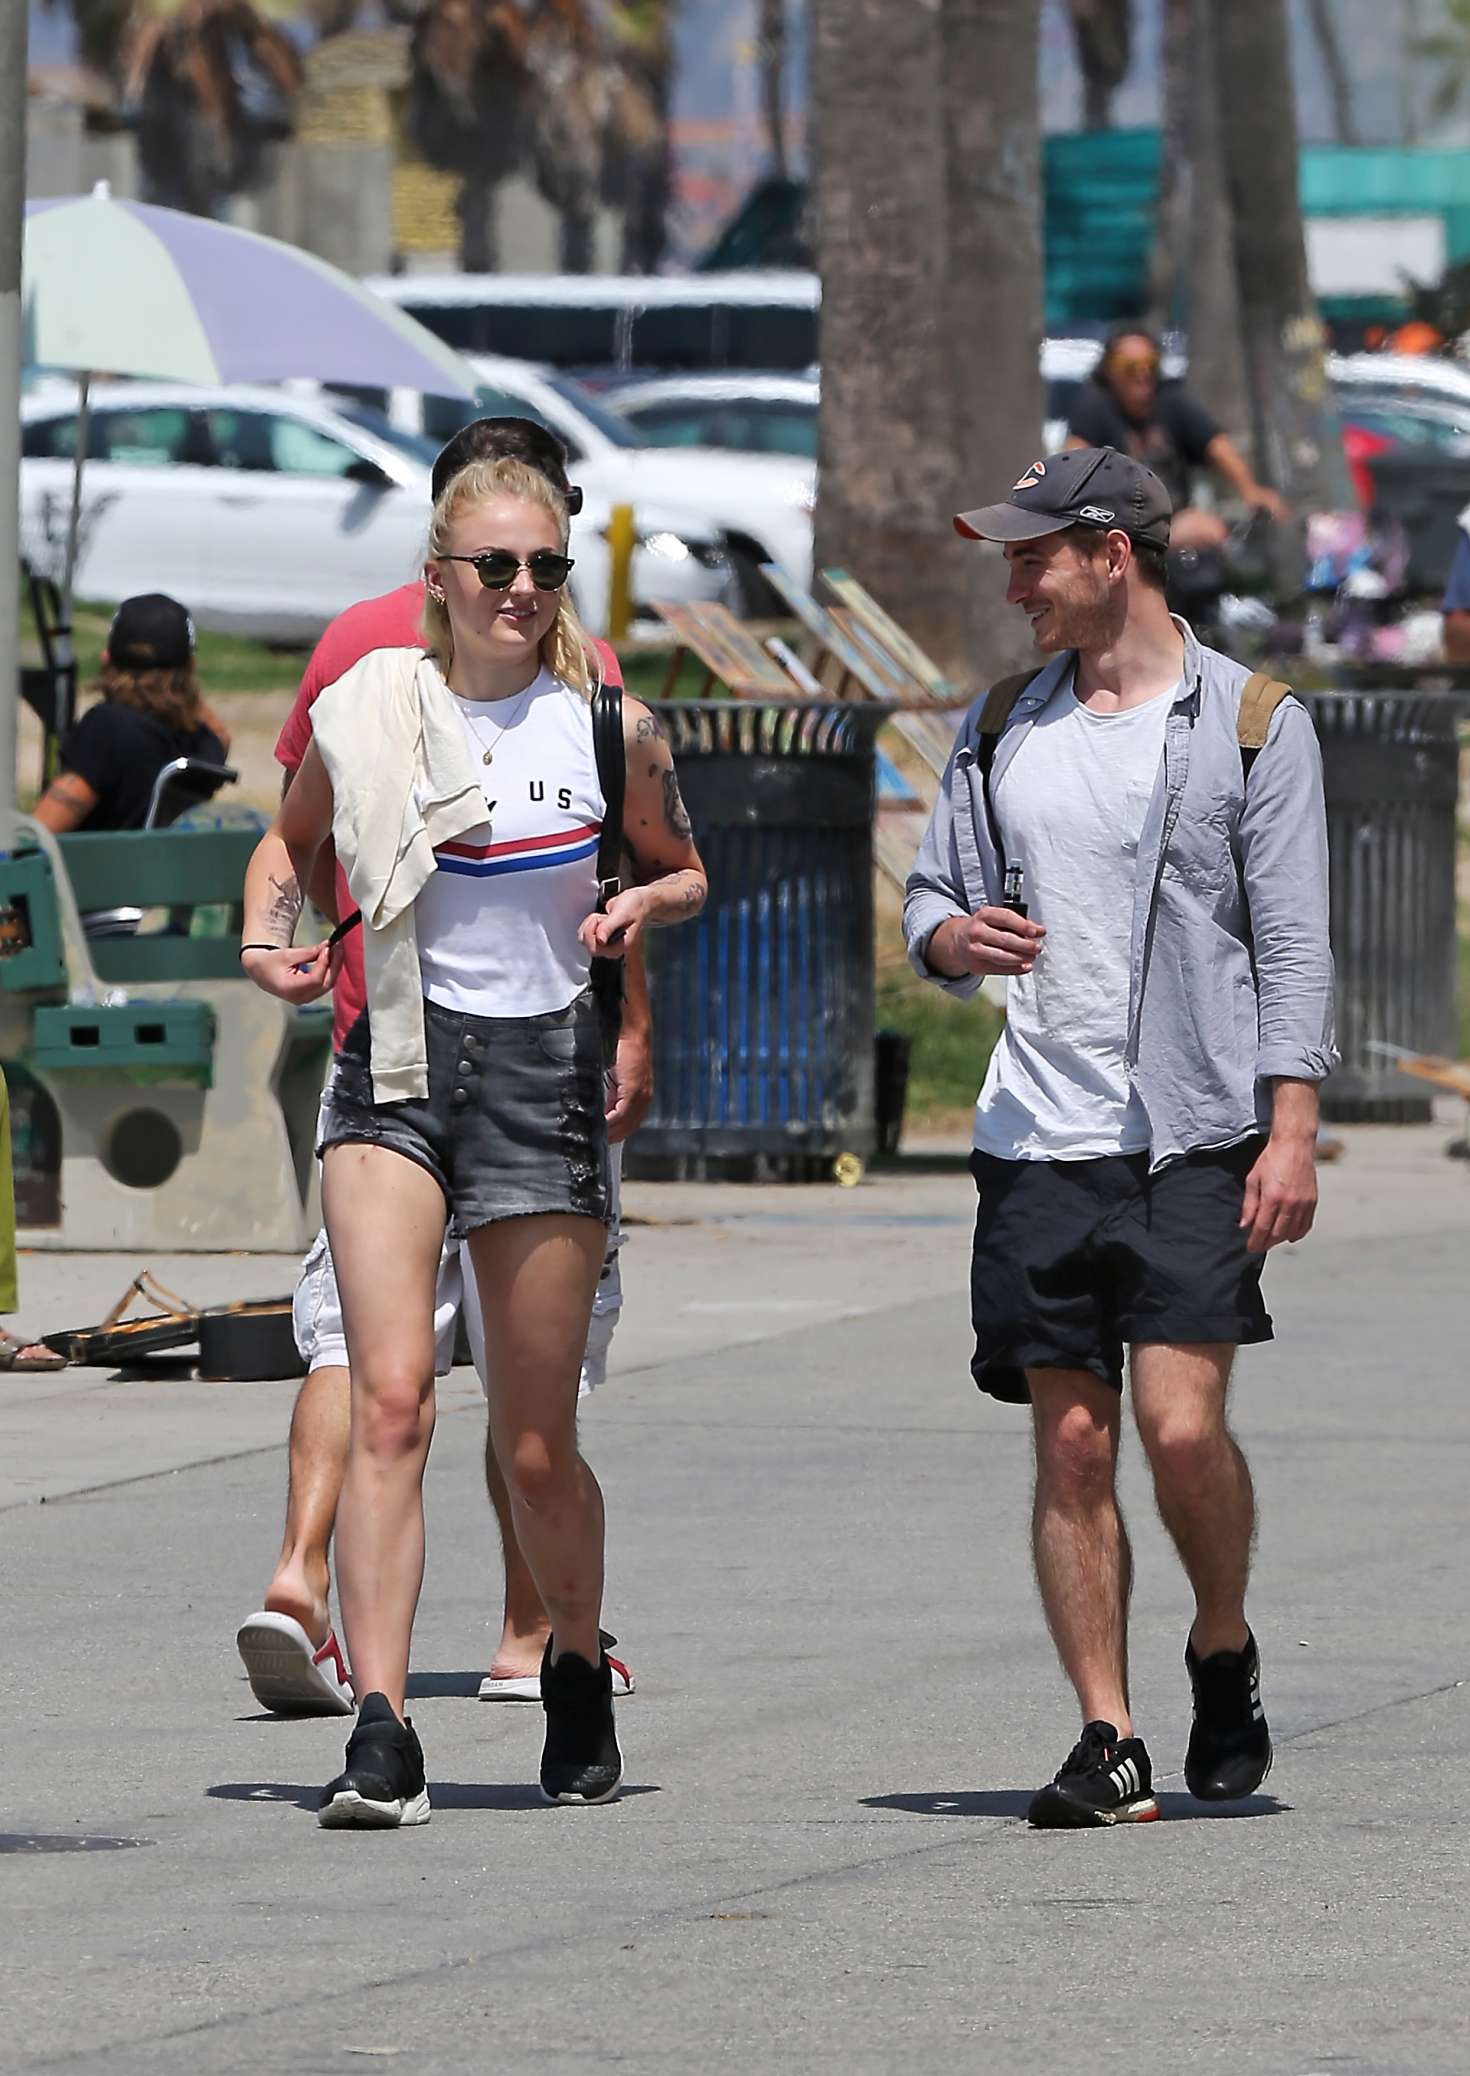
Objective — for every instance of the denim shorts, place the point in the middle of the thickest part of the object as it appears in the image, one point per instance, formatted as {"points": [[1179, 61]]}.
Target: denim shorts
{"points": [[513, 1124]]}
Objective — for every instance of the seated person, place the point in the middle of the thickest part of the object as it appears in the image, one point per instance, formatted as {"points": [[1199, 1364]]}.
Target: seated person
{"points": [[1126, 404], [150, 712], [1455, 606]]}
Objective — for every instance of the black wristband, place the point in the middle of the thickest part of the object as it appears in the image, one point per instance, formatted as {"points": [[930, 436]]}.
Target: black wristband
{"points": [[260, 947]]}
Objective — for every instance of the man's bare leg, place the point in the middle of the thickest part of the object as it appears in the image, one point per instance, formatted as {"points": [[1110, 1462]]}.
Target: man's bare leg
{"points": [[1201, 1480], [301, 1586], [1084, 1566], [526, 1624]]}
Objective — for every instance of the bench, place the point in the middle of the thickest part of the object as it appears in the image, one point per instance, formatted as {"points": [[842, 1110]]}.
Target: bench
{"points": [[184, 1099]]}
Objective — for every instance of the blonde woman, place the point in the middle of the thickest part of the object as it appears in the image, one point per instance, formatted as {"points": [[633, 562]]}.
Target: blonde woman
{"points": [[461, 791]]}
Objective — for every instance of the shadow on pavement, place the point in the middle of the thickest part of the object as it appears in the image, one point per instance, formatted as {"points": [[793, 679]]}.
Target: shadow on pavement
{"points": [[444, 1686], [1014, 1802], [443, 1794]]}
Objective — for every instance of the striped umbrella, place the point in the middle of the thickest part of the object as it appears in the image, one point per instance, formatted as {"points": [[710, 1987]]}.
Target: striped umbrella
{"points": [[126, 289]]}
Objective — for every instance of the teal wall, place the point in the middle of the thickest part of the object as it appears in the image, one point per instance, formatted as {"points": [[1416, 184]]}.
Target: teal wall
{"points": [[1101, 194]]}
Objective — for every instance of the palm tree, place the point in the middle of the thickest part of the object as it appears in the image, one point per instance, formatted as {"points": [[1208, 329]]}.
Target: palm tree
{"points": [[208, 85], [992, 132], [1297, 446], [572, 91], [1449, 50], [638, 167], [885, 432], [1194, 287], [1339, 79], [931, 295], [770, 51], [1103, 31]]}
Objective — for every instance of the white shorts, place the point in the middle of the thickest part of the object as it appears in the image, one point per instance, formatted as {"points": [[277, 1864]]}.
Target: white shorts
{"points": [[321, 1340]]}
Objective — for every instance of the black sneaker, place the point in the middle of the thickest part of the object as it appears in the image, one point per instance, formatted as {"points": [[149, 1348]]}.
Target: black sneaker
{"points": [[1229, 1746], [580, 1761], [1105, 1779], [382, 1784]]}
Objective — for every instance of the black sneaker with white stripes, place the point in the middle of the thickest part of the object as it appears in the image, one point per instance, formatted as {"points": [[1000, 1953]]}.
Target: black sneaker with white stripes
{"points": [[1230, 1744], [1105, 1779], [382, 1785]]}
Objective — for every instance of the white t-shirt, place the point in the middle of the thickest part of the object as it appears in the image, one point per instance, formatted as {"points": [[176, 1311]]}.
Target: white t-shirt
{"points": [[1071, 805], [497, 924]]}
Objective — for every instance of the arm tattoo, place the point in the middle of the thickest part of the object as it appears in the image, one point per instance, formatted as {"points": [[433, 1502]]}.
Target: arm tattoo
{"points": [[284, 911], [674, 812], [75, 792], [649, 729]]}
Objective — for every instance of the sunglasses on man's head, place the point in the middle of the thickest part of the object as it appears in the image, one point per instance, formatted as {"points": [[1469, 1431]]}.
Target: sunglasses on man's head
{"points": [[498, 568]]}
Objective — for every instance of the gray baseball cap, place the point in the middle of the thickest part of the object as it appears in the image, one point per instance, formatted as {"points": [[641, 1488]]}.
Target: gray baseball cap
{"points": [[1088, 486]]}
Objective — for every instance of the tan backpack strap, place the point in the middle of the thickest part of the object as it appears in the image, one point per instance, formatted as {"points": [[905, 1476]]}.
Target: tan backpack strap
{"points": [[1001, 698], [1259, 698]]}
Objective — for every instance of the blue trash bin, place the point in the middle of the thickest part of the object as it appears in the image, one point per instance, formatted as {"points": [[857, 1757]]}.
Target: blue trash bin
{"points": [[763, 1009]]}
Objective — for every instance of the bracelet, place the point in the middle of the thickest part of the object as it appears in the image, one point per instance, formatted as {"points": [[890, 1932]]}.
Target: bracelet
{"points": [[258, 947]]}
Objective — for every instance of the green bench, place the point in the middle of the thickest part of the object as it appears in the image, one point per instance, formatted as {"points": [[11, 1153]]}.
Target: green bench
{"points": [[185, 1099]]}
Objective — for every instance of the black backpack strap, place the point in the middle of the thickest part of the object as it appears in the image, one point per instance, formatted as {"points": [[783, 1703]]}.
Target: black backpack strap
{"points": [[612, 775], [611, 753], [1000, 702]]}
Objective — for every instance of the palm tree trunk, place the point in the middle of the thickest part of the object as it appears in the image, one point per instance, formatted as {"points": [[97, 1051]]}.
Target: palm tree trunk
{"points": [[1194, 277], [478, 241], [992, 137], [1103, 33], [1297, 443], [888, 481], [771, 58], [1339, 80]]}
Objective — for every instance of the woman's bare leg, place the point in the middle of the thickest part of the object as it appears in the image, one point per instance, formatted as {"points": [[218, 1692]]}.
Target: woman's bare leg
{"points": [[537, 1277], [385, 1219]]}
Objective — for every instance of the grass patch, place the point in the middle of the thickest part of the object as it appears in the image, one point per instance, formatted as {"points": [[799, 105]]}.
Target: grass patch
{"points": [[952, 1041]]}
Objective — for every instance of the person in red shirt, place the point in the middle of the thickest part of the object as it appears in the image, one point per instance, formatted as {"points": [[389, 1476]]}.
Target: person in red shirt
{"points": [[289, 1647]]}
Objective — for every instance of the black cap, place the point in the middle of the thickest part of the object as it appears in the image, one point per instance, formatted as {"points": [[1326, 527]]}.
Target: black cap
{"points": [[151, 632], [507, 439], [1089, 486]]}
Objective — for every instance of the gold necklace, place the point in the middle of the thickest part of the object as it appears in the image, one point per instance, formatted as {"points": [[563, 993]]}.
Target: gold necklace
{"points": [[488, 756]]}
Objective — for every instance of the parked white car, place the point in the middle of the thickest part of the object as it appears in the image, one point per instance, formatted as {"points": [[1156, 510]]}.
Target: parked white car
{"points": [[760, 503], [267, 513], [763, 414], [747, 414]]}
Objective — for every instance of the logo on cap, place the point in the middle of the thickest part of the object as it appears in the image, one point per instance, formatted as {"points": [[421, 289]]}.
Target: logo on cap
{"points": [[1032, 476], [1099, 515]]}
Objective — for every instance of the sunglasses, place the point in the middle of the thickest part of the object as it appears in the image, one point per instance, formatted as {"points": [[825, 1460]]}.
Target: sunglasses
{"points": [[1136, 367], [498, 568]]}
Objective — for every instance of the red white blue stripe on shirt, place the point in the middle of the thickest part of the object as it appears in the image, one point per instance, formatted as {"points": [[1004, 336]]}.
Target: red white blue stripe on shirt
{"points": [[520, 854]]}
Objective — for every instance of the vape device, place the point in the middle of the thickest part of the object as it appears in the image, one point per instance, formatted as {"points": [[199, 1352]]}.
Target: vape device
{"points": [[1015, 890]]}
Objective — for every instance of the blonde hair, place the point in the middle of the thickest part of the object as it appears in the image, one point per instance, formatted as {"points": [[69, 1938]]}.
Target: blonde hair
{"points": [[566, 649]]}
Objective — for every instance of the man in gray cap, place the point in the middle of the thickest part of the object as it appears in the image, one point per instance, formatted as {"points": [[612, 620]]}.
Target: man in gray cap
{"points": [[1134, 835]]}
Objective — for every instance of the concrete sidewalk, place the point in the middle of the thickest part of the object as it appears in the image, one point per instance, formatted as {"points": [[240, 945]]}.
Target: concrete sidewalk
{"points": [[818, 1571]]}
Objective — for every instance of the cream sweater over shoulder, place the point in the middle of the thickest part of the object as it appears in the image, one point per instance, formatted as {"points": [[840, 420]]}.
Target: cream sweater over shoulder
{"points": [[402, 783]]}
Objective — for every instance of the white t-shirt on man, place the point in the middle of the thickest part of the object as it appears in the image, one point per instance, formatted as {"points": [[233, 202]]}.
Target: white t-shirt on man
{"points": [[1071, 805]]}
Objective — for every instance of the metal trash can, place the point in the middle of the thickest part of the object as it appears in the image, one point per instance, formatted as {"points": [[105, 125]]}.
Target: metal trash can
{"points": [[763, 1009], [1390, 757]]}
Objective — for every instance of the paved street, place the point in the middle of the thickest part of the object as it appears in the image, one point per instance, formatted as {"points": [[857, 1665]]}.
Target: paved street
{"points": [[818, 1573]]}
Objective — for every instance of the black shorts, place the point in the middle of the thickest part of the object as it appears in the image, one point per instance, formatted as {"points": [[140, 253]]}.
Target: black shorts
{"points": [[1075, 1261]]}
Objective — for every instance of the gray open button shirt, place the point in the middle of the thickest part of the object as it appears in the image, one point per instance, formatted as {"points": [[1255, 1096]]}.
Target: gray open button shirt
{"points": [[1230, 964]]}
